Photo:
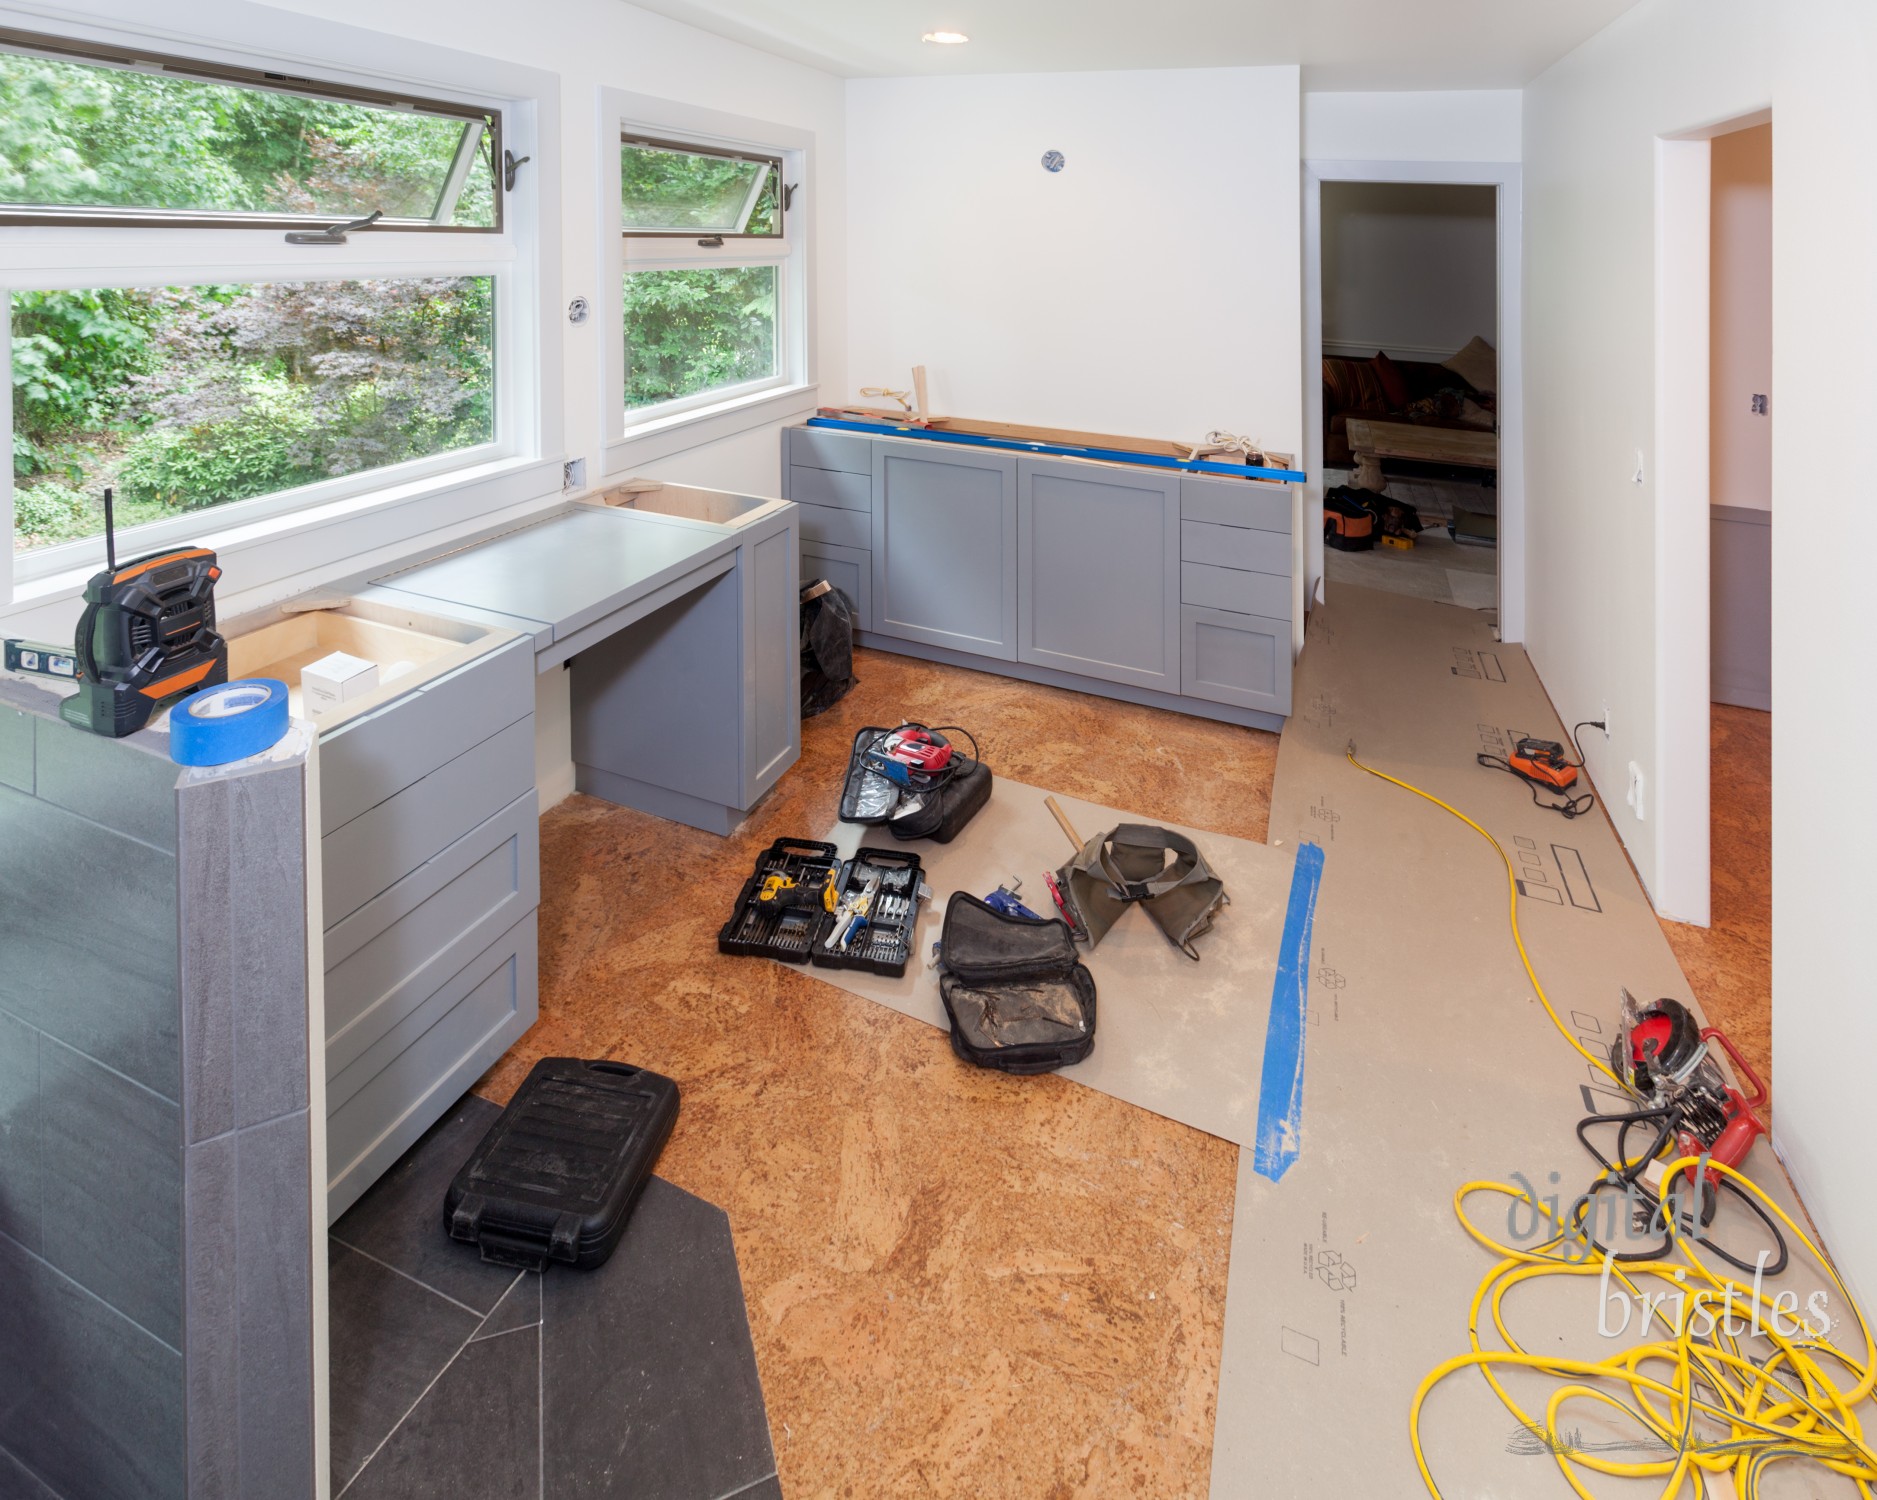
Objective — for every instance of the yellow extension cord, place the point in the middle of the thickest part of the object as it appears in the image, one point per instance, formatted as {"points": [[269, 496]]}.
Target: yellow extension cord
{"points": [[1790, 1405]]}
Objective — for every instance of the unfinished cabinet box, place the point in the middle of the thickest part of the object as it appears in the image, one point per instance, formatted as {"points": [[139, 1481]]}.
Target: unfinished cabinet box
{"points": [[849, 569], [1242, 660], [1098, 590], [945, 549]]}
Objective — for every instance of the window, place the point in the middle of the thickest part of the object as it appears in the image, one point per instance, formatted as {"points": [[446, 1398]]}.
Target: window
{"points": [[712, 271], [134, 139], [194, 319]]}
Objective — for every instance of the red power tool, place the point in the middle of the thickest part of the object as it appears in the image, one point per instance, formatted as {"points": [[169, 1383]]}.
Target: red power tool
{"points": [[1666, 1060], [1543, 761], [911, 755]]}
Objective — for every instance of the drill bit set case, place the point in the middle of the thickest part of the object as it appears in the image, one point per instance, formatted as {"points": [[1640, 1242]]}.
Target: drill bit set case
{"points": [[804, 904]]}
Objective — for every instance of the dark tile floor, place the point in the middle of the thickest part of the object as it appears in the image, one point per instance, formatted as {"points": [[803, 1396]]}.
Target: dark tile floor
{"points": [[453, 1378]]}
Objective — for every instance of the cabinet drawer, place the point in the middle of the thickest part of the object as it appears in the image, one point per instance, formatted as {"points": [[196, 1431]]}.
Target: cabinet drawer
{"points": [[1235, 547], [379, 1105], [849, 569], [380, 847], [1237, 659], [827, 487], [837, 528], [364, 762], [817, 448], [1228, 588], [388, 957], [1235, 502]]}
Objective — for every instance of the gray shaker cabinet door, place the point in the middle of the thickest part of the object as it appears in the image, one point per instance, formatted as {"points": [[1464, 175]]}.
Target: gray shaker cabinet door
{"points": [[945, 549], [1100, 591]]}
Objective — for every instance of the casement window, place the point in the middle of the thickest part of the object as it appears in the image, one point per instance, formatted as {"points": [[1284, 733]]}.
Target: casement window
{"points": [[236, 292], [712, 311]]}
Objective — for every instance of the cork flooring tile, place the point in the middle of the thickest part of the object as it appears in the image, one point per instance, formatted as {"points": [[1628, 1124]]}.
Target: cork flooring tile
{"points": [[957, 1282], [1730, 964]]}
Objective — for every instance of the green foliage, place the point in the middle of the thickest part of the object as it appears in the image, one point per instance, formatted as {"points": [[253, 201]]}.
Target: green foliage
{"points": [[74, 354], [251, 453], [662, 189], [52, 512], [83, 135], [698, 330]]}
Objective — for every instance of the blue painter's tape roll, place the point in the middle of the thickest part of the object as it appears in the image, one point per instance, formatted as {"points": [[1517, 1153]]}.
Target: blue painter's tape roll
{"points": [[228, 723]]}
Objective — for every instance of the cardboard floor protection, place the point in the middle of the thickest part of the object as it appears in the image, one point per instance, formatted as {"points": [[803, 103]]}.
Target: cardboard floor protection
{"points": [[1180, 1038], [1429, 1063]]}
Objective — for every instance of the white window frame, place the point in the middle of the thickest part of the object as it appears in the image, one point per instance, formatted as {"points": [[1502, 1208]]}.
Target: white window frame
{"points": [[359, 513], [634, 438]]}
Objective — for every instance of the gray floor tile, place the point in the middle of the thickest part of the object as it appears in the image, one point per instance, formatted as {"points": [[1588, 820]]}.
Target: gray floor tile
{"points": [[649, 1378], [762, 1489], [16, 1483], [400, 1219], [390, 1340], [477, 1433], [520, 1308]]}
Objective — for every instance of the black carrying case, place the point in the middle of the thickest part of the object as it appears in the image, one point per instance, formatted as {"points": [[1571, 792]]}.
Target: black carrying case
{"points": [[948, 807], [1018, 998], [557, 1176], [886, 944], [774, 929]]}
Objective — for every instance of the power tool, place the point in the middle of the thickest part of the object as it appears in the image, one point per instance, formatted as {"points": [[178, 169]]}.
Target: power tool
{"points": [[911, 757], [1667, 1062], [1543, 761], [147, 636]]}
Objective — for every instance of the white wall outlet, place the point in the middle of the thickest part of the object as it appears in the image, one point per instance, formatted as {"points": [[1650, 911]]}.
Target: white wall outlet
{"points": [[573, 475], [1637, 477], [1606, 723], [1634, 795]]}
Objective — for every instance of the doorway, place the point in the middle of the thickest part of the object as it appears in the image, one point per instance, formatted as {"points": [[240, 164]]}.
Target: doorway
{"points": [[1412, 380]]}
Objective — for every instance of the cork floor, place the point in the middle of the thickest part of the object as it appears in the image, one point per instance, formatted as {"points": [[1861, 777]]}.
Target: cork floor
{"points": [[1730, 964], [957, 1282]]}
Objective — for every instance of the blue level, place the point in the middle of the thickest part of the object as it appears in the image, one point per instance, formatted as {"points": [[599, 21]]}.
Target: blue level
{"points": [[1062, 450]]}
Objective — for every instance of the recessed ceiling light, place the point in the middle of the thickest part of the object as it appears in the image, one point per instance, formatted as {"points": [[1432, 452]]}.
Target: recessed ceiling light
{"points": [[945, 38]]}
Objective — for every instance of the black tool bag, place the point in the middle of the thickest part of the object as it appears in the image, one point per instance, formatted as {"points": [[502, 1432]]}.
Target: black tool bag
{"points": [[1018, 998], [827, 646], [868, 797], [557, 1176]]}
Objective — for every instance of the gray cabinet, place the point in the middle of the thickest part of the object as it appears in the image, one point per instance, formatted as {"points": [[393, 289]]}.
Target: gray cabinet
{"points": [[849, 569], [1238, 659], [1098, 590], [945, 549]]}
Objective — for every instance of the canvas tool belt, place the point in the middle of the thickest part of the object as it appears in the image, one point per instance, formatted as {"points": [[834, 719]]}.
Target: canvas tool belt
{"points": [[1130, 867]]}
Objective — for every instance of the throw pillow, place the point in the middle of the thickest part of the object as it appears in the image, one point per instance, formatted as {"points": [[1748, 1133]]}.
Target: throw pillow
{"points": [[1478, 365], [1394, 387]]}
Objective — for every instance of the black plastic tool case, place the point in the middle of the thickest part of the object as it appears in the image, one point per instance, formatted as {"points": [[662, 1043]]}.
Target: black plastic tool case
{"points": [[764, 929], [886, 945], [1018, 997], [557, 1176]]}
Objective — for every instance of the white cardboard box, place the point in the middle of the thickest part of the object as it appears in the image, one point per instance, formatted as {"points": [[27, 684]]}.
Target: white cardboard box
{"points": [[335, 679]]}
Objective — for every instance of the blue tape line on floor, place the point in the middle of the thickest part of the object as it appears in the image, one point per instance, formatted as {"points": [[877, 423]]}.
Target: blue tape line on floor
{"points": [[1279, 1138]]}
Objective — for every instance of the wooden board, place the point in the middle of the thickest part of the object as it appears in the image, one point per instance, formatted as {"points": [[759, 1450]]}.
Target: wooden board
{"points": [[1438, 445], [1023, 432]]}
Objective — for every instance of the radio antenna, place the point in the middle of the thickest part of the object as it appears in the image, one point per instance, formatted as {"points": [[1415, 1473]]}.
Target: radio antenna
{"points": [[110, 532]]}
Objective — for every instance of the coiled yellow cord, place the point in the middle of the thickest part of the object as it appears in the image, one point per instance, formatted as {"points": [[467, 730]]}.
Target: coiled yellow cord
{"points": [[1788, 1404]]}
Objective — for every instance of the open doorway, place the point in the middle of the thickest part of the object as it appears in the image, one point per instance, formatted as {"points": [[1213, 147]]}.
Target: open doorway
{"points": [[1412, 393], [1410, 384], [1730, 961]]}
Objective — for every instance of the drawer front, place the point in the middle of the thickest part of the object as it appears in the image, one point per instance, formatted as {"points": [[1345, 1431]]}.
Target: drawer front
{"points": [[1237, 659], [379, 1105], [827, 487], [849, 569], [838, 528], [817, 448], [380, 847], [1235, 547], [370, 759], [1236, 502], [1228, 588], [386, 959]]}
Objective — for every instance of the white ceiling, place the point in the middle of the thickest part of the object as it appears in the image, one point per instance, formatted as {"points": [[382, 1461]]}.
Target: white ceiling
{"points": [[1342, 44]]}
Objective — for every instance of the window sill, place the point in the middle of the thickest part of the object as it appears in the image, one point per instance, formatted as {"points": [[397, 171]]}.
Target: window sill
{"points": [[259, 558], [646, 442]]}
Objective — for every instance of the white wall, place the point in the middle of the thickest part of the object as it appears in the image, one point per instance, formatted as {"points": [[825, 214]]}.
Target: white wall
{"points": [[1740, 353], [1409, 267], [1591, 125], [1438, 125], [1149, 288]]}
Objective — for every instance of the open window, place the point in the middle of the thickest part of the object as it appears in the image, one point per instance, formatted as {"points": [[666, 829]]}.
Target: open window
{"points": [[110, 137], [711, 276]]}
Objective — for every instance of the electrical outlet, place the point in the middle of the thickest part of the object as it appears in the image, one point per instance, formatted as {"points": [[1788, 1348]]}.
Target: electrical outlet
{"points": [[1606, 723], [573, 475], [1637, 477], [1634, 795]]}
